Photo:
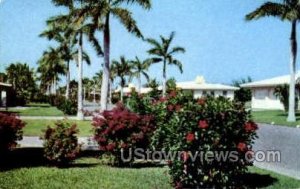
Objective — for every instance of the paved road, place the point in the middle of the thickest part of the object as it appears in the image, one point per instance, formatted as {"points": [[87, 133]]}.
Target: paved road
{"points": [[284, 139]]}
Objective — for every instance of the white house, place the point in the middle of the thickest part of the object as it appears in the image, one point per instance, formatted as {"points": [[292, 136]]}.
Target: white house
{"points": [[199, 88], [263, 92]]}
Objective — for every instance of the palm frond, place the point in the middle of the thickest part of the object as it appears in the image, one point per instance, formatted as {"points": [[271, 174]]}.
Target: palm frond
{"points": [[267, 9], [125, 17]]}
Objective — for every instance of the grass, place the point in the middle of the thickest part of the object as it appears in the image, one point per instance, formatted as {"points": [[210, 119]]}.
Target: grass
{"points": [[276, 117], [37, 110], [26, 168], [35, 127]]}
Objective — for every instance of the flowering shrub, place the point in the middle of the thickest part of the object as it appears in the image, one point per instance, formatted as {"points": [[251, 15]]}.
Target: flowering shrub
{"points": [[202, 126], [121, 129], [61, 143], [10, 131]]}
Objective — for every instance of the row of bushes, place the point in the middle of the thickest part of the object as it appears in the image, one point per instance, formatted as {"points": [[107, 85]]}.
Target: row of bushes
{"points": [[180, 123], [176, 123]]}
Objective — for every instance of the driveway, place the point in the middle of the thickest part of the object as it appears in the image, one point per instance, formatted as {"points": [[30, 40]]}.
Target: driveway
{"points": [[284, 139]]}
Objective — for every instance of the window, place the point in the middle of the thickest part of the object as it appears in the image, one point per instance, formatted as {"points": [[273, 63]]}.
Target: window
{"points": [[212, 93], [225, 93], [204, 93]]}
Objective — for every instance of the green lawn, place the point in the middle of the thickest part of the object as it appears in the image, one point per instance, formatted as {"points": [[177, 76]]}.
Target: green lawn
{"points": [[35, 127], [276, 117], [37, 110], [26, 168]]}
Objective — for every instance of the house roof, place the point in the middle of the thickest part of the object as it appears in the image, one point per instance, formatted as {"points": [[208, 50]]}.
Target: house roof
{"points": [[280, 80], [192, 85], [5, 84], [144, 90]]}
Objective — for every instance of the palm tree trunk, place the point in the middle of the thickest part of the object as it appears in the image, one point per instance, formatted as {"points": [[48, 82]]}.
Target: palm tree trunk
{"points": [[140, 83], [80, 104], [122, 93], [68, 81], [110, 90], [291, 115], [54, 85], [164, 79], [106, 72], [94, 94]]}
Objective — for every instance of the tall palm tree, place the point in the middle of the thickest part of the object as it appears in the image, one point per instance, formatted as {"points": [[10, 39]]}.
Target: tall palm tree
{"points": [[288, 10], [56, 32], [78, 26], [140, 68], [101, 12], [122, 69], [51, 65], [164, 53]]}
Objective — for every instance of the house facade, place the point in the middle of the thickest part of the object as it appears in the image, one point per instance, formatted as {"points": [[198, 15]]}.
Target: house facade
{"points": [[4, 94], [199, 88], [263, 92]]}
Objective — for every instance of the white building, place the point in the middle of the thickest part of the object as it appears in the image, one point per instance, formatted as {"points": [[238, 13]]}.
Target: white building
{"points": [[263, 92], [199, 88]]}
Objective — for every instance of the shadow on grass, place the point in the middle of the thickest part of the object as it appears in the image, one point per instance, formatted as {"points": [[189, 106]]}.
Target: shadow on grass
{"points": [[33, 157], [254, 180]]}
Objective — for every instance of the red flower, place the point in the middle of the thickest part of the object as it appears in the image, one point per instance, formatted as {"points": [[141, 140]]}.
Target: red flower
{"points": [[172, 94], [190, 137], [163, 99], [170, 108], [242, 146], [201, 101], [250, 126], [177, 108], [203, 124], [111, 146]]}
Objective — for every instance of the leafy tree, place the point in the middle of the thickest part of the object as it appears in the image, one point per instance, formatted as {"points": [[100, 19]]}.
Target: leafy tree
{"points": [[288, 10], [163, 53], [22, 79], [243, 94]]}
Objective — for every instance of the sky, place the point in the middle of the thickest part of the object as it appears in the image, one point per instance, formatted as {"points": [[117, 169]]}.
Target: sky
{"points": [[220, 45]]}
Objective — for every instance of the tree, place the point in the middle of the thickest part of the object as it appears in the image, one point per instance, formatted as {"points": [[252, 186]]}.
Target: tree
{"points": [[101, 12], [122, 68], [288, 10], [51, 65], [22, 79], [139, 69], [78, 23], [282, 93], [163, 53], [243, 94]]}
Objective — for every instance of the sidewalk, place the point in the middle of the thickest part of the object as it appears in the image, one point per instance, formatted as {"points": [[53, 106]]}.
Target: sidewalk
{"points": [[89, 118], [87, 143]]}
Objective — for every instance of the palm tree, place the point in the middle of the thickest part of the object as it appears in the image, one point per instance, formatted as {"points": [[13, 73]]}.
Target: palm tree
{"points": [[78, 26], [163, 52], [55, 31], [100, 12], [288, 10], [51, 65], [122, 70], [139, 68]]}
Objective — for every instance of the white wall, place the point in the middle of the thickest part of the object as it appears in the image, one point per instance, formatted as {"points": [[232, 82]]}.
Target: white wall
{"points": [[199, 93], [264, 98]]}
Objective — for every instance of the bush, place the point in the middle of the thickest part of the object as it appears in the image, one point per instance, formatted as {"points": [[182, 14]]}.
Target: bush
{"points": [[10, 131], [68, 107], [61, 143], [121, 129], [189, 126]]}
